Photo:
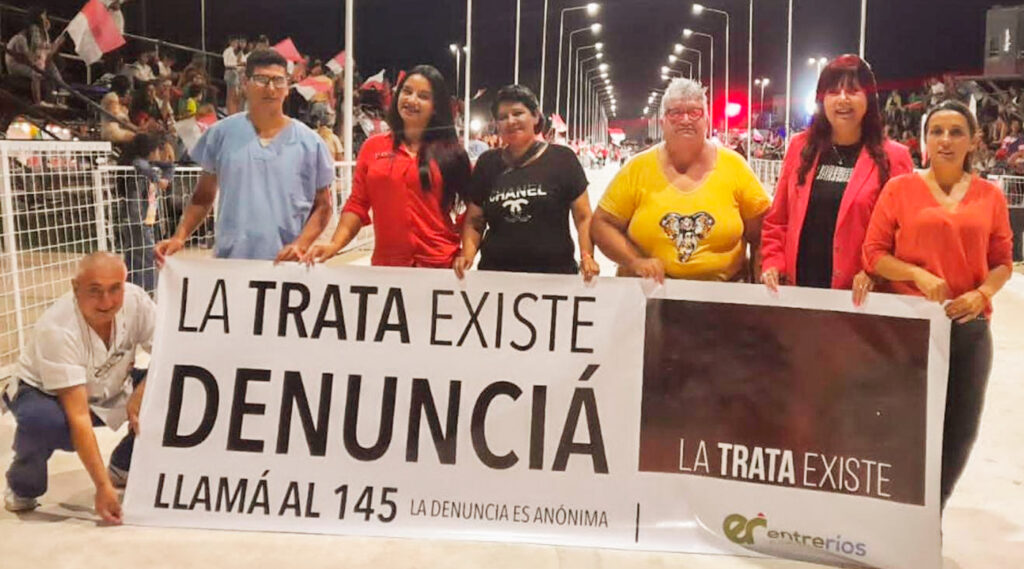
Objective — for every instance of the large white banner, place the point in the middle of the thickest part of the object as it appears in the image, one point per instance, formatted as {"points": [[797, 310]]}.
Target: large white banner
{"points": [[696, 417]]}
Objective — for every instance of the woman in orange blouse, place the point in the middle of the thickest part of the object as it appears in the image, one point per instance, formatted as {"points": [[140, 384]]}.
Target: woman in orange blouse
{"points": [[945, 234]]}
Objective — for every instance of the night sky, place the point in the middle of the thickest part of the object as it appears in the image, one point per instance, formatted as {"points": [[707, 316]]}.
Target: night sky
{"points": [[907, 39]]}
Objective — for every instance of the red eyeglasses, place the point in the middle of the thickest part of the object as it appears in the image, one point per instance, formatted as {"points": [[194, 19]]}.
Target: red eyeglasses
{"points": [[677, 115]]}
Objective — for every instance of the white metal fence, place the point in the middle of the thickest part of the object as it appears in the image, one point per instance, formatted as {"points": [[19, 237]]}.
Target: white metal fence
{"points": [[62, 200], [1013, 187], [768, 172]]}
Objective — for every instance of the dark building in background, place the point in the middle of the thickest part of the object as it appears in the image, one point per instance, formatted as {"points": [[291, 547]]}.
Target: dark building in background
{"points": [[1004, 41]]}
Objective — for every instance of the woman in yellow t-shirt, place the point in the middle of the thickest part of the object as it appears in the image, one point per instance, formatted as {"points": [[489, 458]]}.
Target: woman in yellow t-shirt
{"points": [[686, 208]]}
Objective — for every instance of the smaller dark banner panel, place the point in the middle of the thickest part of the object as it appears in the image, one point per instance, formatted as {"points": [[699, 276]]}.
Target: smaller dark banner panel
{"points": [[811, 399]]}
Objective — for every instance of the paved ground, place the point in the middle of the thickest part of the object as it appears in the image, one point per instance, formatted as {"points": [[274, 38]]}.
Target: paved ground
{"points": [[983, 525]]}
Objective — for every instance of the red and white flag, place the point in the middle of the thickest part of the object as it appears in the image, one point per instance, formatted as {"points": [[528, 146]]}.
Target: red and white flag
{"points": [[558, 123], [287, 49], [191, 129], [337, 63], [375, 82], [617, 135], [94, 32], [310, 86]]}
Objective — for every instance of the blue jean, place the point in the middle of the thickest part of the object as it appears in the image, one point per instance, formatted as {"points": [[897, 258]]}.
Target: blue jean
{"points": [[135, 238], [42, 427]]}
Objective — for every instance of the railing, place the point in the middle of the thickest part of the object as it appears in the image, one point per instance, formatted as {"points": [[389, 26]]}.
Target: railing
{"points": [[158, 43], [62, 200], [1013, 188], [768, 171]]}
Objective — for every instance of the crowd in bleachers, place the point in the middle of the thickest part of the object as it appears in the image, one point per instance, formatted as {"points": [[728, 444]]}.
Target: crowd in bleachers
{"points": [[999, 109]]}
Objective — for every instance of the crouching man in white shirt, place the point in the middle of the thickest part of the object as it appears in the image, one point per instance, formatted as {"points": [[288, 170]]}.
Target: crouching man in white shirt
{"points": [[76, 374]]}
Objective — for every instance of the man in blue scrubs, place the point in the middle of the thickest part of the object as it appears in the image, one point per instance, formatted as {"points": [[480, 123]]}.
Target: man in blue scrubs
{"points": [[274, 173]]}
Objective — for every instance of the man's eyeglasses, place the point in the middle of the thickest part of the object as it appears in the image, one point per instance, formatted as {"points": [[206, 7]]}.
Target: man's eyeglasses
{"points": [[677, 115], [278, 81]]}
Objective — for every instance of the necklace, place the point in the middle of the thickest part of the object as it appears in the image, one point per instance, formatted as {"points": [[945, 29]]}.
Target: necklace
{"points": [[526, 157], [839, 156]]}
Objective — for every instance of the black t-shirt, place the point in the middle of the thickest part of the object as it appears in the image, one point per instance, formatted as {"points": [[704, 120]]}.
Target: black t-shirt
{"points": [[835, 168], [527, 210]]}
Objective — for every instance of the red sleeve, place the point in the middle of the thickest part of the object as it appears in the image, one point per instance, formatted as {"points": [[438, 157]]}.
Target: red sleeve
{"points": [[359, 200], [900, 162], [1000, 243], [881, 237], [776, 223]]}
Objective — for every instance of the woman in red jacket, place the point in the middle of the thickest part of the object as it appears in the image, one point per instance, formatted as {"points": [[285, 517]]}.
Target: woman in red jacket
{"points": [[945, 235], [411, 179], [830, 180]]}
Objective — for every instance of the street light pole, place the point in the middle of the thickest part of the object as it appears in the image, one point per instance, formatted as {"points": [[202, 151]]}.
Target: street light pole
{"points": [[700, 59], [591, 9], [457, 52], [518, 26], [863, 25], [697, 9], [750, 80], [711, 80], [543, 55], [762, 82], [348, 108], [570, 104], [469, 58], [202, 24], [568, 79], [789, 71]]}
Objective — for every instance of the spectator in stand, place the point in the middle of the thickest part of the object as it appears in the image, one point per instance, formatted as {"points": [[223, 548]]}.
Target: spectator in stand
{"points": [[233, 62], [142, 69], [830, 181], [164, 98], [937, 89], [325, 99], [1014, 139], [411, 179], [522, 196], [983, 159], [195, 68], [686, 208], [944, 234], [165, 65], [32, 48], [114, 7], [188, 103], [262, 42], [893, 108], [144, 110], [116, 102], [322, 120]]}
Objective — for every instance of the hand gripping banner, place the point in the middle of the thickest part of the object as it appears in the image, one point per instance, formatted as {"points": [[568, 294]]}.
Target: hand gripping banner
{"points": [[700, 417]]}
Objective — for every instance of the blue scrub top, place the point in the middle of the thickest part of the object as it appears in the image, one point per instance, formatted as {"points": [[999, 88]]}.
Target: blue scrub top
{"points": [[266, 193]]}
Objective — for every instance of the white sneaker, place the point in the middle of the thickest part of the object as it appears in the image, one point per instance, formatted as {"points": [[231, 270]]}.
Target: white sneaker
{"points": [[15, 503], [118, 477]]}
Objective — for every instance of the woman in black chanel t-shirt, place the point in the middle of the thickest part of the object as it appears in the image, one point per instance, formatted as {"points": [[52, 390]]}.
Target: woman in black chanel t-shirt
{"points": [[520, 197]]}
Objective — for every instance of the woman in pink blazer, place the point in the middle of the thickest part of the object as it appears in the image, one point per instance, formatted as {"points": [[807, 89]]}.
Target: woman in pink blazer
{"points": [[830, 180]]}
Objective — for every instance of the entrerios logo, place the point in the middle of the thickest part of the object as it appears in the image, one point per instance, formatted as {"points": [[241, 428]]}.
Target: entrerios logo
{"points": [[740, 530]]}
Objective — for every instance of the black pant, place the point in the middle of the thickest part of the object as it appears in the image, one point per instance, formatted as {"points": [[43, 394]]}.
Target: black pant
{"points": [[970, 361]]}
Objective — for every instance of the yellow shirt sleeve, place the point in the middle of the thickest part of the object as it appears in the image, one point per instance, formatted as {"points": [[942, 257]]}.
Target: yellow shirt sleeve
{"points": [[622, 197], [751, 197]]}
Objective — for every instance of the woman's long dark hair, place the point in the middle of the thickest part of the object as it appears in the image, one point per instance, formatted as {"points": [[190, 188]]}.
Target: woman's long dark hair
{"points": [[440, 141], [847, 71]]}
